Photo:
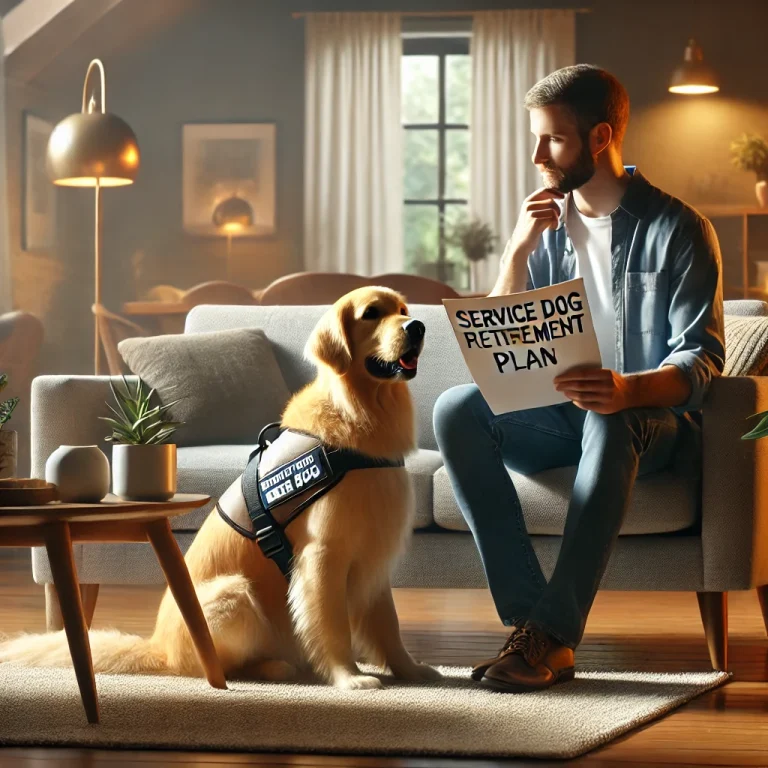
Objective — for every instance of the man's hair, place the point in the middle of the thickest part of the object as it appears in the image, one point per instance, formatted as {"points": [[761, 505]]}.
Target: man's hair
{"points": [[591, 94]]}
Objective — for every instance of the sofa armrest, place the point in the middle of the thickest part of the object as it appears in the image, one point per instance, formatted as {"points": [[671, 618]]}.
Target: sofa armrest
{"points": [[65, 411], [734, 486]]}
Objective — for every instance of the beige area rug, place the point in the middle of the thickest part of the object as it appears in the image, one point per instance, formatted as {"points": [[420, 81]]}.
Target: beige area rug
{"points": [[453, 717]]}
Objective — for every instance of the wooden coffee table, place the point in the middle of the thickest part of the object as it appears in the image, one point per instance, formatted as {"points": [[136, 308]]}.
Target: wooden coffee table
{"points": [[56, 525]]}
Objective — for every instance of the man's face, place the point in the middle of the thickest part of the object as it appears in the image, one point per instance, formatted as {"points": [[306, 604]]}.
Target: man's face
{"points": [[561, 155]]}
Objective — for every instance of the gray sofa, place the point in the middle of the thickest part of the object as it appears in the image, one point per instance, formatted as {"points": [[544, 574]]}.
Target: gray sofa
{"points": [[705, 534]]}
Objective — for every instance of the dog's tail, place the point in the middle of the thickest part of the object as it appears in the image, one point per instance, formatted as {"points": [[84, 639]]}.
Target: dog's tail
{"points": [[113, 652]]}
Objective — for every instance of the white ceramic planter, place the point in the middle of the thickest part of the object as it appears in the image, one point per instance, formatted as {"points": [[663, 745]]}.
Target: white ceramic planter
{"points": [[8, 452], [474, 276], [144, 472], [761, 192], [81, 472]]}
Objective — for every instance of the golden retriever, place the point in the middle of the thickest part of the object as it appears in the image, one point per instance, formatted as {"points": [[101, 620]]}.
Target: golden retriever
{"points": [[338, 607]]}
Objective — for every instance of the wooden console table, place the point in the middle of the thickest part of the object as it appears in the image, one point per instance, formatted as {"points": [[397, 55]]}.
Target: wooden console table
{"points": [[165, 316]]}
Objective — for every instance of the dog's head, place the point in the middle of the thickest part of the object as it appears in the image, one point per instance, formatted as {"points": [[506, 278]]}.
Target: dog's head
{"points": [[368, 331]]}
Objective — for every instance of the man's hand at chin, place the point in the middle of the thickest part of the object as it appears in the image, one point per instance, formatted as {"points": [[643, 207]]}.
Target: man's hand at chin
{"points": [[595, 389]]}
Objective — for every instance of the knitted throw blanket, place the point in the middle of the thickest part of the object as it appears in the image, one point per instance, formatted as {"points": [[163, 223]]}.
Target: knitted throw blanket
{"points": [[746, 345]]}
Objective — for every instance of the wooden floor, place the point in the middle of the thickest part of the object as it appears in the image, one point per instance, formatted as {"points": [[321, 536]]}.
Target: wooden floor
{"points": [[643, 631]]}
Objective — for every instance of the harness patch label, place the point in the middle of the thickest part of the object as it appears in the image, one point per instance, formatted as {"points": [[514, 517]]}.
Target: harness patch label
{"points": [[293, 478]]}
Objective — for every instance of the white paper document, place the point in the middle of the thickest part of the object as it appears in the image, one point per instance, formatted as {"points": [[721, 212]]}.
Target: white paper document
{"points": [[515, 345]]}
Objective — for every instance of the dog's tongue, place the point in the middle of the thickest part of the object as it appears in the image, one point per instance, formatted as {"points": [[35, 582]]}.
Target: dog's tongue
{"points": [[409, 362]]}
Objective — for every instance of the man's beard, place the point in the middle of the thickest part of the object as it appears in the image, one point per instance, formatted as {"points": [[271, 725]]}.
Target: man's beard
{"points": [[577, 175]]}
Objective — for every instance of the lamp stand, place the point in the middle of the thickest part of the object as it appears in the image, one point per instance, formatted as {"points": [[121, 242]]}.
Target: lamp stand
{"points": [[97, 282]]}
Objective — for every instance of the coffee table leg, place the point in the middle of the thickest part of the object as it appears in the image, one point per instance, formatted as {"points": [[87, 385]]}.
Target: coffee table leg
{"points": [[180, 583], [58, 544]]}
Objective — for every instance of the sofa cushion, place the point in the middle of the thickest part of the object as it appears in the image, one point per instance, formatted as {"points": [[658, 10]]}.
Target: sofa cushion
{"points": [[229, 382], [211, 469], [422, 466], [745, 307], [661, 503]]}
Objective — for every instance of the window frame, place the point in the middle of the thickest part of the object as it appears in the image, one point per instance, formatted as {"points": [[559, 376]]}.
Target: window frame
{"points": [[440, 47]]}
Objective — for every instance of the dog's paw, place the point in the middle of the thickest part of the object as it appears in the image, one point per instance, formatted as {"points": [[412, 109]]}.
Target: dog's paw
{"points": [[418, 673], [357, 682]]}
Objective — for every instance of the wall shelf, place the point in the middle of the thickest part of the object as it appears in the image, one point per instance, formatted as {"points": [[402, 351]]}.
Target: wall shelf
{"points": [[744, 213]]}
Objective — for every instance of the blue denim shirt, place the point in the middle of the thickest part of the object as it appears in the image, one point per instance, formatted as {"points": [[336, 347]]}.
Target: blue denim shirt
{"points": [[667, 285]]}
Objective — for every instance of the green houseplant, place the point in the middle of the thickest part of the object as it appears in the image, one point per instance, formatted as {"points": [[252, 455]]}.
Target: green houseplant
{"points": [[143, 459], [760, 430], [750, 153], [8, 438], [476, 239]]}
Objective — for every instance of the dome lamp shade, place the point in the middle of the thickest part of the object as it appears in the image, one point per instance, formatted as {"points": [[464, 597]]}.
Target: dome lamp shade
{"points": [[233, 214], [694, 76], [92, 147]]}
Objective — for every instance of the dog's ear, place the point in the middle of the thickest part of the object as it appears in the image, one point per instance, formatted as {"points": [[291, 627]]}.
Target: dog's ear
{"points": [[329, 342]]}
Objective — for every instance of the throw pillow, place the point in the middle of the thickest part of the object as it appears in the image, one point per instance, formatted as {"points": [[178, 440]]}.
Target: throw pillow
{"points": [[746, 345], [229, 382]]}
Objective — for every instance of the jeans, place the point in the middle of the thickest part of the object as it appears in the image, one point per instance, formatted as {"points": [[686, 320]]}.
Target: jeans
{"points": [[610, 451]]}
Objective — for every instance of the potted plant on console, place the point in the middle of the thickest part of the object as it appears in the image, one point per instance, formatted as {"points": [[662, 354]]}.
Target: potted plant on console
{"points": [[143, 461], [750, 153]]}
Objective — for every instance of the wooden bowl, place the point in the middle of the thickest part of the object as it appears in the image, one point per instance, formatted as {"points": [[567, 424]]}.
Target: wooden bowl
{"points": [[26, 492]]}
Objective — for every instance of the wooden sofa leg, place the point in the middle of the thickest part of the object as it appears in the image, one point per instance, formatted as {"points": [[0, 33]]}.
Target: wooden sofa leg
{"points": [[762, 596], [53, 620], [713, 607]]}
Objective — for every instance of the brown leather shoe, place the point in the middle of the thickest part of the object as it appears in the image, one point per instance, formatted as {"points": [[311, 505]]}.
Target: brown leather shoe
{"points": [[534, 661], [480, 669]]}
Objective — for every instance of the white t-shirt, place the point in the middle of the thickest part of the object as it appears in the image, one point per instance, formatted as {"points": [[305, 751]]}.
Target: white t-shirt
{"points": [[591, 238]]}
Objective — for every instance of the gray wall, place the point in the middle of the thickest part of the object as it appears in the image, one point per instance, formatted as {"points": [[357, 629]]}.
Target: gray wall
{"points": [[242, 60], [223, 61]]}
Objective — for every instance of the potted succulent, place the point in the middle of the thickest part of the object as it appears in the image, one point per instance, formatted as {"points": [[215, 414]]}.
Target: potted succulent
{"points": [[477, 239], [143, 461], [750, 153], [8, 438]]}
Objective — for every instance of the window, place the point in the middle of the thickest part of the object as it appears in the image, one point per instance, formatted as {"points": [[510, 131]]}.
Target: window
{"points": [[436, 81]]}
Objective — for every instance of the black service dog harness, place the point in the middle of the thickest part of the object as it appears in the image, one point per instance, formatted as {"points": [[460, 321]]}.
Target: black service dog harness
{"points": [[283, 477]]}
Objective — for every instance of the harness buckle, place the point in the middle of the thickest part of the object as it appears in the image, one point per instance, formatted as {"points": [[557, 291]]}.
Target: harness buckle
{"points": [[270, 541], [262, 438]]}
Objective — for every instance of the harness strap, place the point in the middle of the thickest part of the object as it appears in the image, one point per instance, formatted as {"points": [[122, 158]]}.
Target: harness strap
{"points": [[270, 536], [268, 530], [344, 460]]}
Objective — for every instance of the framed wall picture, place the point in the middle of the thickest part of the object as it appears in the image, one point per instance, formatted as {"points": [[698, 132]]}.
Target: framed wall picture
{"points": [[222, 160], [39, 194]]}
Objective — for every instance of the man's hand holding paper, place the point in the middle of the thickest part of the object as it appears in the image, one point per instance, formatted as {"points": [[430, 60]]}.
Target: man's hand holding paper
{"points": [[595, 389]]}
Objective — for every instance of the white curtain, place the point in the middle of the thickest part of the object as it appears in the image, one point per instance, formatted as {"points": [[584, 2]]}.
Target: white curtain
{"points": [[511, 51], [5, 254], [353, 189]]}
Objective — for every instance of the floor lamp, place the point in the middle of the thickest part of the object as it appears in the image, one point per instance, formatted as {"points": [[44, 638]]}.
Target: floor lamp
{"points": [[93, 148], [232, 214]]}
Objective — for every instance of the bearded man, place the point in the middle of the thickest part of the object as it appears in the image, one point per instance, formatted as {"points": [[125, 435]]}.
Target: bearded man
{"points": [[652, 274]]}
